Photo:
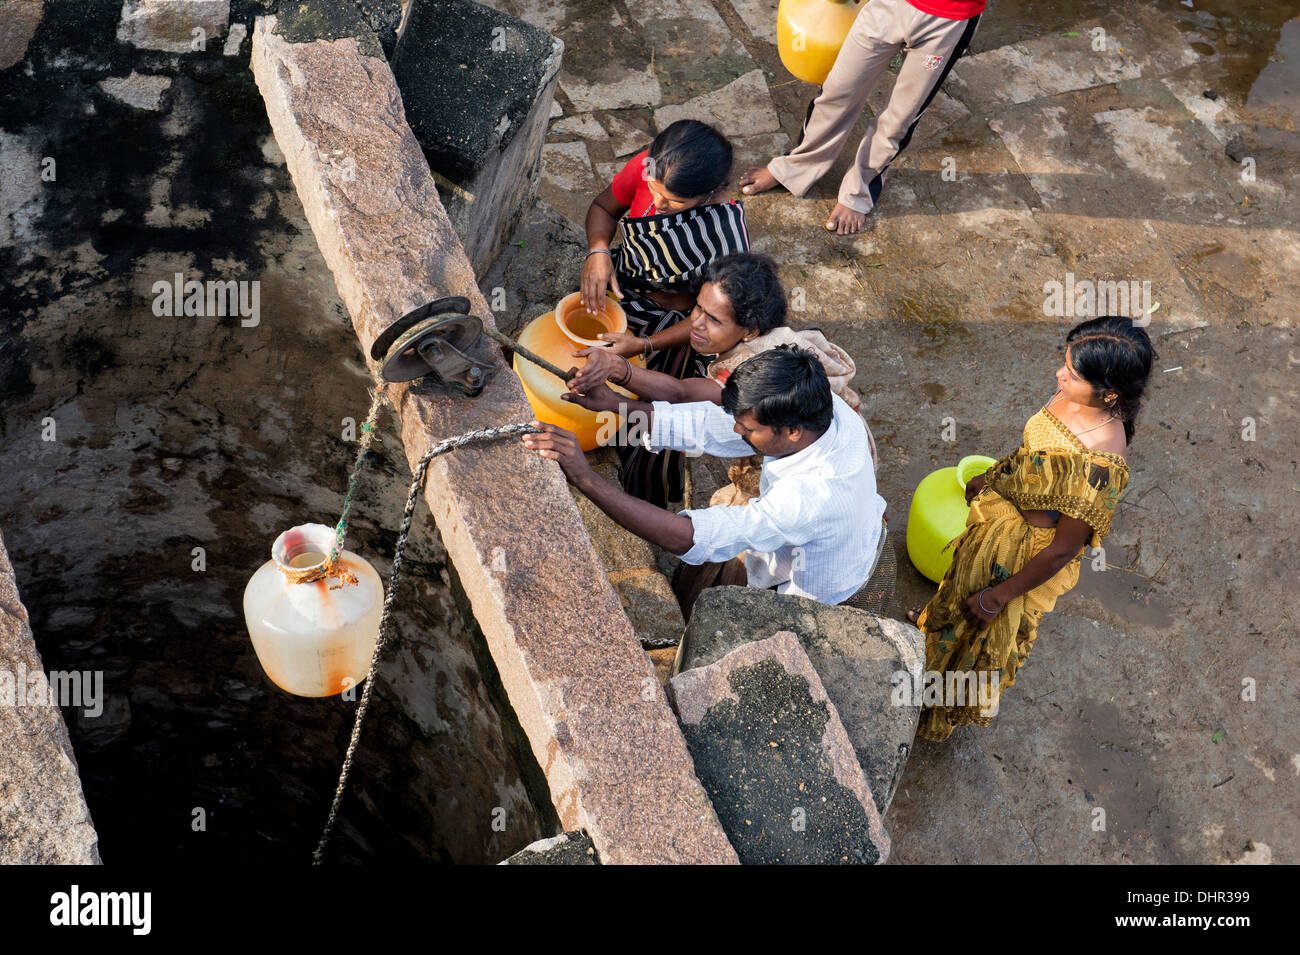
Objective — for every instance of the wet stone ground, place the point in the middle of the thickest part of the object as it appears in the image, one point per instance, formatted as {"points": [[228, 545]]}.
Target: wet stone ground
{"points": [[173, 433], [1172, 157]]}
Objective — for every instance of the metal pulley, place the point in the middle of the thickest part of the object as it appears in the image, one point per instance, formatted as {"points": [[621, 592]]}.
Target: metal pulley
{"points": [[434, 340]]}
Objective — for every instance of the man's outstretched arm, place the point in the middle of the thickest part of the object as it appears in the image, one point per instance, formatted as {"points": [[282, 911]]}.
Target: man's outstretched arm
{"points": [[672, 532], [700, 427]]}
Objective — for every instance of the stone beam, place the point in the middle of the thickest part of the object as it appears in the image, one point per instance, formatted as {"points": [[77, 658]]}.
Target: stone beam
{"points": [[582, 688], [43, 815]]}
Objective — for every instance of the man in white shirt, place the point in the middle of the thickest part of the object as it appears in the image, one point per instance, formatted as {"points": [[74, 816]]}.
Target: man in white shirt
{"points": [[814, 528]]}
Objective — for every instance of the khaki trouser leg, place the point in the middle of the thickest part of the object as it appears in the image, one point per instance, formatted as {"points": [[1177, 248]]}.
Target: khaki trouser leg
{"points": [[918, 82], [882, 29], [872, 42]]}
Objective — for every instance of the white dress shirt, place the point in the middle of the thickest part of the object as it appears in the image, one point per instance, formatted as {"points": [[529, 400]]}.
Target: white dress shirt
{"points": [[814, 528]]}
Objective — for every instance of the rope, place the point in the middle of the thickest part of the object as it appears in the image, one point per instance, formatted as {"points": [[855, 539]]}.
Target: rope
{"points": [[329, 568], [363, 447], [385, 619]]}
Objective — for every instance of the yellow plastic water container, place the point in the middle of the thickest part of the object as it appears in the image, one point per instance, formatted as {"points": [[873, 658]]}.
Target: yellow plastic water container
{"points": [[938, 514], [555, 336], [809, 34], [313, 638]]}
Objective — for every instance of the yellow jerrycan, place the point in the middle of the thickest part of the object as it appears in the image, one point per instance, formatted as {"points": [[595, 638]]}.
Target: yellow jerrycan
{"points": [[809, 34], [555, 336], [938, 514]]}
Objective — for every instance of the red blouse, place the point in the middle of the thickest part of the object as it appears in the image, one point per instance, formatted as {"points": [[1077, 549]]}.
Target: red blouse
{"points": [[631, 187], [950, 9]]}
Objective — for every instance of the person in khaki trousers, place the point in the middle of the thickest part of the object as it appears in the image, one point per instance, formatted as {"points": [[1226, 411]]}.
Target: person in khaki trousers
{"points": [[932, 34]]}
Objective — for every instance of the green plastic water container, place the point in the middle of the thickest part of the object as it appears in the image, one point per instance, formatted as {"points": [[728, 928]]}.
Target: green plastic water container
{"points": [[938, 514]]}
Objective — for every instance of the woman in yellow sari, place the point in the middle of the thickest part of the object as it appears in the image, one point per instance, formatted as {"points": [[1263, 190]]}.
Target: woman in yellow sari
{"points": [[1031, 515]]}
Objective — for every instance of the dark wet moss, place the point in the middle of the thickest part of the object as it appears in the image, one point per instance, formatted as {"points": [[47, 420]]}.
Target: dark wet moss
{"points": [[760, 758], [468, 75], [302, 21]]}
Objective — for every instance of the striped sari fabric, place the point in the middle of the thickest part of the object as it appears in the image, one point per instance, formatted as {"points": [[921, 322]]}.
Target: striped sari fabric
{"points": [[668, 253]]}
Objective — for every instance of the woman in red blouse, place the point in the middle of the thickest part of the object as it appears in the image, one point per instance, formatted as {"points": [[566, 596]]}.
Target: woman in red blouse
{"points": [[675, 215]]}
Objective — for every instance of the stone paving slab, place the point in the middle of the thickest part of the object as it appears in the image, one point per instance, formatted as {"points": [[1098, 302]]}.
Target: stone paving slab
{"points": [[616, 69], [961, 781], [1213, 113], [759, 17], [757, 149], [960, 168], [741, 108], [582, 125], [1137, 42], [140, 90], [1125, 251], [1236, 275], [18, 22], [624, 138], [693, 50], [584, 691], [568, 180], [169, 25], [914, 267], [1131, 146]]}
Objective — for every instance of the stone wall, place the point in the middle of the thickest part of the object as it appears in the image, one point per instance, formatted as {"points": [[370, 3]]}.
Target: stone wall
{"points": [[478, 87], [43, 813]]}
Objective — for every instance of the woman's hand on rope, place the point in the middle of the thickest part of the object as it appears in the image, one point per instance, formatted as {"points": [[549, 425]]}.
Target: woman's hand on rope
{"points": [[602, 365], [562, 447], [624, 343], [981, 616], [974, 486], [597, 276]]}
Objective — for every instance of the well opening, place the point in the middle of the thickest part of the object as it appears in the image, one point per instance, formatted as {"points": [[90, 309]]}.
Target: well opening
{"points": [[183, 444]]}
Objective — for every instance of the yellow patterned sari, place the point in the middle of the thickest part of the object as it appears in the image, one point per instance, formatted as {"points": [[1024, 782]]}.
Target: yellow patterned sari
{"points": [[1052, 470]]}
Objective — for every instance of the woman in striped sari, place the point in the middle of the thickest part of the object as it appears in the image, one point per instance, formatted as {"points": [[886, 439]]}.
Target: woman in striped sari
{"points": [[671, 205]]}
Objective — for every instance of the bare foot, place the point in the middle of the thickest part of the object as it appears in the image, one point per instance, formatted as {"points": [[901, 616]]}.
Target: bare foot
{"points": [[914, 614], [844, 221], [757, 180]]}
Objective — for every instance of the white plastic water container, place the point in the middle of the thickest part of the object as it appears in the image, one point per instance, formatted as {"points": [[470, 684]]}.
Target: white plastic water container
{"points": [[313, 638]]}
